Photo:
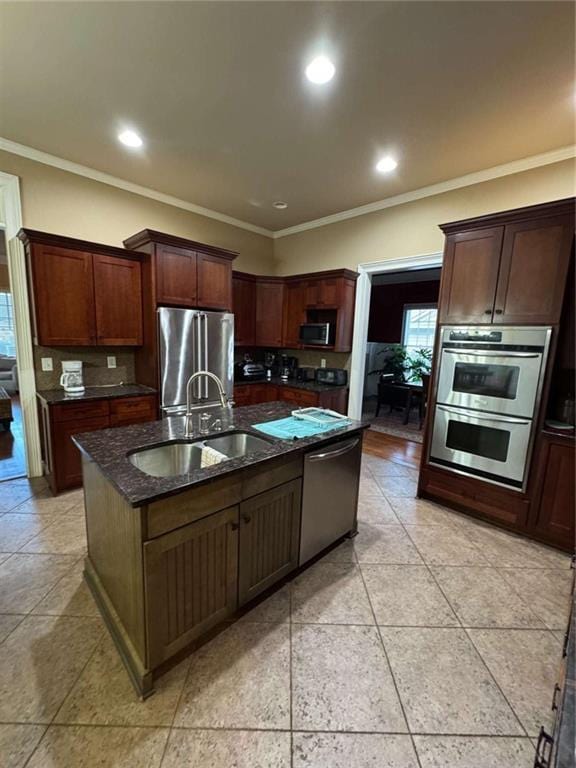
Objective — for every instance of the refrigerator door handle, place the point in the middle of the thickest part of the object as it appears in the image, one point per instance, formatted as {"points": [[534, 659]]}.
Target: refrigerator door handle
{"points": [[198, 361], [205, 342]]}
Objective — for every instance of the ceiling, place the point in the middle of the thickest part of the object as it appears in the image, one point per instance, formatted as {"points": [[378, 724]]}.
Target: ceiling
{"points": [[217, 91]]}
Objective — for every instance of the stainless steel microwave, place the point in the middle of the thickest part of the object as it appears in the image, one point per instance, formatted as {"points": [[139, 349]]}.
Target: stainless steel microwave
{"points": [[315, 334]]}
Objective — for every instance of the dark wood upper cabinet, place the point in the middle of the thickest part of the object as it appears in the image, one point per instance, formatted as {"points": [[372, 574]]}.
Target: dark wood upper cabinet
{"points": [[83, 294], [214, 282], [269, 312], [294, 312], [118, 300], [323, 293], [533, 268], [62, 285], [470, 276], [244, 308], [176, 276]]}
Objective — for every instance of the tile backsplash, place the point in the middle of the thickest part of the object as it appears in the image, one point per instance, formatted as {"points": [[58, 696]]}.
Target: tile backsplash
{"points": [[95, 365], [314, 356]]}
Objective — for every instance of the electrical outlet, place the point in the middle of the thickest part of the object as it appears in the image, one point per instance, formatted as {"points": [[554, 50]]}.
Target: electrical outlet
{"points": [[111, 360], [323, 363], [47, 364]]}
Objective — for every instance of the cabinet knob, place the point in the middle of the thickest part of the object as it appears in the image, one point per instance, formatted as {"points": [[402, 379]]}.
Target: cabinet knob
{"points": [[488, 312], [246, 518], [234, 526], [499, 311]]}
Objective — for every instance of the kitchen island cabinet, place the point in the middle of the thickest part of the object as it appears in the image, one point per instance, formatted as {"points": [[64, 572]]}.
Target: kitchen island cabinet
{"points": [[171, 556]]}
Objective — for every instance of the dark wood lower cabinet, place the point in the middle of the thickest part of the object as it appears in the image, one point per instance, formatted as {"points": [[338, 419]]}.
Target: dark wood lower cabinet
{"points": [[190, 581], [252, 394], [269, 538], [554, 498]]}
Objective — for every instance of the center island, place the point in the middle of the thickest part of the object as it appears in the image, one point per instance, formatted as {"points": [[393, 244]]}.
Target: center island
{"points": [[176, 548]]}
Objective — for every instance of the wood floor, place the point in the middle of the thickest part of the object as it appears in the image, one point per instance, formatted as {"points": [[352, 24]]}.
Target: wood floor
{"points": [[12, 454], [392, 448]]}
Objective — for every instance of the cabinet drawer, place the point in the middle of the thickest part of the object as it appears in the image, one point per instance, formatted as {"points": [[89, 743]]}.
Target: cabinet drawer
{"points": [[298, 396], [130, 410], [83, 410]]}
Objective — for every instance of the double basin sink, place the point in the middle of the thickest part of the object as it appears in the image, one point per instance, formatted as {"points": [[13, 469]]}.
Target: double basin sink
{"points": [[180, 457]]}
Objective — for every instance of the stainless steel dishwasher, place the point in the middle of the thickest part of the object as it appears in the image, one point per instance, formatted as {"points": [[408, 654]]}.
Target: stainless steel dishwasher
{"points": [[329, 494]]}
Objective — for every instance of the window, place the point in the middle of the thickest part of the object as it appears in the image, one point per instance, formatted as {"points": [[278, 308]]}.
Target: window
{"points": [[7, 339], [419, 326]]}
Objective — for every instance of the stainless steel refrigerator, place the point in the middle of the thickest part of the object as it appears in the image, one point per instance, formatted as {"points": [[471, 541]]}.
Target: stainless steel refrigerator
{"points": [[191, 340]]}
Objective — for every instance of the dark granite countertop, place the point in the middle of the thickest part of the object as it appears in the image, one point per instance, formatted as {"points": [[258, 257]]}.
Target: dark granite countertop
{"points": [[58, 396], [108, 448], [310, 386]]}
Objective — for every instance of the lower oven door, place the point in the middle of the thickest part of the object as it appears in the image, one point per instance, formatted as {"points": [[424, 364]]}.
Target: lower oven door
{"points": [[498, 381], [492, 447]]}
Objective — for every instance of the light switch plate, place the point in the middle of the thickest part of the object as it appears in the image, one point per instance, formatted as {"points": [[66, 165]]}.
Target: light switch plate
{"points": [[47, 364], [111, 359], [323, 363]]}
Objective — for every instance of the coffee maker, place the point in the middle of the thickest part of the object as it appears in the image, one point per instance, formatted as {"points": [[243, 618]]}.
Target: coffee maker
{"points": [[71, 378]]}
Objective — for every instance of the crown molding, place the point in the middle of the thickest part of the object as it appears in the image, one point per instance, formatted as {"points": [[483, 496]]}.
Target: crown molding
{"points": [[105, 178], [488, 174]]}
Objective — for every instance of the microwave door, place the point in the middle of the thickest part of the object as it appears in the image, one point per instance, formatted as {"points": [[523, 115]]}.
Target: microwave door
{"points": [[497, 381], [490, 446]]}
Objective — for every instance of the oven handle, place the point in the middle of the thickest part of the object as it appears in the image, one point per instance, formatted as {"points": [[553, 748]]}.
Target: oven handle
{"points": [[468, 415], [491, 354]]}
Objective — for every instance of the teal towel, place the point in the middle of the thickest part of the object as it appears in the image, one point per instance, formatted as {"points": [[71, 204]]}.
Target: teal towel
{"points": [[289, 428]]}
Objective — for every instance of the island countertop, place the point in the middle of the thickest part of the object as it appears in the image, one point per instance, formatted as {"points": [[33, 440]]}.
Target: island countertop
{"points": [[109, 449]]}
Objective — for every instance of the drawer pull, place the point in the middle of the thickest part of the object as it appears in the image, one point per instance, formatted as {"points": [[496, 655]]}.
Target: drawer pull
{"points": [[557, 690], [543, 749], [247, 519]]}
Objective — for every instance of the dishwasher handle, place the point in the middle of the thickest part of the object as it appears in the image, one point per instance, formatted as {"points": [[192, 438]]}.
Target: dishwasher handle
{"points": [[342, 449]]}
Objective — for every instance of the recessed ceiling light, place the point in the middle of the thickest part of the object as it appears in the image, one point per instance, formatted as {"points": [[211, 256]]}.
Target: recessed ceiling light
{"points": [[386, 164], [280, 205], [130, 139], [320, 70]]}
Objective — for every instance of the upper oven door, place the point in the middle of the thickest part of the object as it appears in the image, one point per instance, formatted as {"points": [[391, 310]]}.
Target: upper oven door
{"points": [[490, 380], [492, 447]]}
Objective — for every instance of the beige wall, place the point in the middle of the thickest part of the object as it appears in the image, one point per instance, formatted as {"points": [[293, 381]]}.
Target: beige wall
{"points": [[67, 204], [412, 229]]}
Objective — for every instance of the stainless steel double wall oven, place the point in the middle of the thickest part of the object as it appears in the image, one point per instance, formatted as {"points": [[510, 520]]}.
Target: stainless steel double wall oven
{"points": [[489, 384]]}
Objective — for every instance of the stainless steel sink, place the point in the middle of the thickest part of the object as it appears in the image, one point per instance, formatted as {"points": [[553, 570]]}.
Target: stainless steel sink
{"points": [[180, 457]]}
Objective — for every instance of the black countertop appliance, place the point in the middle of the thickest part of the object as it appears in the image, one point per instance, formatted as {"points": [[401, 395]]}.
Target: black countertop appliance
{"points": [[336, 376]]}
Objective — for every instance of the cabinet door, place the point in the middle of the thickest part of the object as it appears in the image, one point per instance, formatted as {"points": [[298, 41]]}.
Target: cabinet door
{"points": [[294, 313], [132, 410], [269, 537], [312, 294], [262, 393], [269, 311], [242, 395], [533, 268], [63, 289], [554, 517], [66, 459], [244, 308], [191, 582], [469, 276], [300, 397], [176, 276], [118, 300], [214, 282], [329, 290]]}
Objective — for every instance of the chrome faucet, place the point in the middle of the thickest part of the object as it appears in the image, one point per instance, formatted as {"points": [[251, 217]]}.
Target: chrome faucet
{"points": [[224, 401]]}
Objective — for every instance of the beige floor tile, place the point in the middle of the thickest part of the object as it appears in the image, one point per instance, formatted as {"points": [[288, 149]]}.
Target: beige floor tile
{"points": [[66, 537], [481, 597], [46, 504], [525, 664], [274, 609], [546, 592], [444, 685], [26, 579], [398, 486], [70, 597], [39, 663], [104, 695], [445, 546], [341, 681], [13, 494], [385, 468], [343, 553], [474, 752], [420, 512], [5, 556], [385, 544], [87, 747], [330, 593], [547, 557], [228, 749], [240, 679], [17, 742], [353, 750], [376, 510], [17, 530], [406, 595], [8, 622], [505, 550], [369, 487]]}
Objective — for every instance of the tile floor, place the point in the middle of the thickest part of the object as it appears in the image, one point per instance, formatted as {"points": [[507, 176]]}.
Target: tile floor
{"points": [[430, 641]]}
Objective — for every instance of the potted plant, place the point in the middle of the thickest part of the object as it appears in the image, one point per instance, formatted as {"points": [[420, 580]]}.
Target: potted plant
{"points": [[396, 361], [419, 364]]}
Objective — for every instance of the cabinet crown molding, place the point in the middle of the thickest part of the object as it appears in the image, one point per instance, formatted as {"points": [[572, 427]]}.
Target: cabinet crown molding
{"points": [[147, 236], [33, 236], [565, 206]]}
